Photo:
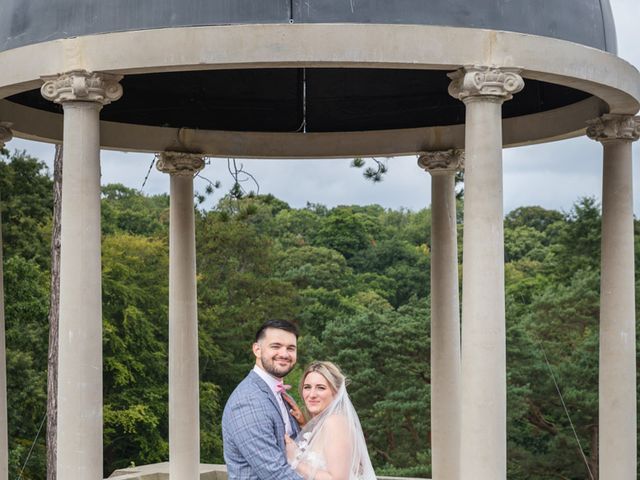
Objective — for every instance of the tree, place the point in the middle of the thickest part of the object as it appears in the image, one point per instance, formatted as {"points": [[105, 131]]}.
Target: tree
{"points": [[135, 343], [4, 431], [27, 331], [125, 210], [345, 232], [554, 336], [578, 239], [26, 207], [54, 317], [405, 265], [312, 267], [385, 354], [237, 292], [534, 217], [296, 227]]}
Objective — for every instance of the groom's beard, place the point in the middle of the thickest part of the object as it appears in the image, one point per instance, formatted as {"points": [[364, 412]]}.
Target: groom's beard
{"points": [[271, 366]]}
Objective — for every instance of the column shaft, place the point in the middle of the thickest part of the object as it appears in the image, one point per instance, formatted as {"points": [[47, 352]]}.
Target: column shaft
{"points": [[184, 418], [445, 330], [617, 382], [483, 434], [80, 343], [79, 426], [483, 444]]}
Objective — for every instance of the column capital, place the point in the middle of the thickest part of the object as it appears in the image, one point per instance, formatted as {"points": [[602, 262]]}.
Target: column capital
{"points": [[611, 127], [82, 86], [180, 163], [485, 82], [442, 161], [5, 133]]}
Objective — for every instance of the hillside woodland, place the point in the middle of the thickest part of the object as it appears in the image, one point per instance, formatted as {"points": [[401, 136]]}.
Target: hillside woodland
{"points": [[356, 279]]}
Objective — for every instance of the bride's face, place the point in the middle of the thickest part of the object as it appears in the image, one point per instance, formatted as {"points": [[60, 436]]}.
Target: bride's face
{"points": [[316, 393]]}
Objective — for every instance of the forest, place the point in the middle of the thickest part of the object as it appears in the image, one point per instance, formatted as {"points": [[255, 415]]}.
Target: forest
{"points": [[356, 279]]}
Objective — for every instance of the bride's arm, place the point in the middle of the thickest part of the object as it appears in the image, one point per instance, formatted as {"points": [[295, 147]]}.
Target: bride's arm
{"points": [[338, 452]]}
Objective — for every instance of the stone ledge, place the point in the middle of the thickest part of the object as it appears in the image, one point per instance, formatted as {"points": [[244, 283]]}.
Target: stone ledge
{"points": [[160, 471]]}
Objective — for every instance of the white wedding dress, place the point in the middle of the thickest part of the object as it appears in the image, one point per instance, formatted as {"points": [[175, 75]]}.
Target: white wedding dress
{"points": [[333, 441]]}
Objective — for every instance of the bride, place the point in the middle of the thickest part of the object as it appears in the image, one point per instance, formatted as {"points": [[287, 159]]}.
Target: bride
{"points": [[331, 445]]}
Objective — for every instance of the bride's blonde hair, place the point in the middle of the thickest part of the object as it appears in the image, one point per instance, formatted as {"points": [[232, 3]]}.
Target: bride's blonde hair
{"points": [[328, 370]]}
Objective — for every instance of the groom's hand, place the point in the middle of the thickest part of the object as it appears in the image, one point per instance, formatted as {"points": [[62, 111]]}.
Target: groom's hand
{"points": [[295, 410]]}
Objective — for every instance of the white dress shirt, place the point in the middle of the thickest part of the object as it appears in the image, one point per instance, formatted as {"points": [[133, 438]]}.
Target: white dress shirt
{"points": [[272, 382]]}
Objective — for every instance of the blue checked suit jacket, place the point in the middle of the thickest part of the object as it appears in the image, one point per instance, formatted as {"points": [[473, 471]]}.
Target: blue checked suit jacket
{"points": [[253, 434]]}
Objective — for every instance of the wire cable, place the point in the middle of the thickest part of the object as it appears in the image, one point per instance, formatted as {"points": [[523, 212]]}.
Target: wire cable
{"points": [[566, 411], [32, 445]]}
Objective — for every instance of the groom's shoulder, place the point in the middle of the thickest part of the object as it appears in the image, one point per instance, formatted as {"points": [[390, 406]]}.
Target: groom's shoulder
{"points": [[249, 387], [246, 401]]}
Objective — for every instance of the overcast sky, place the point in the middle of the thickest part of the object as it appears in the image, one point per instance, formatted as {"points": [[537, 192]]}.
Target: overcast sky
{"points": [[553, 175]]}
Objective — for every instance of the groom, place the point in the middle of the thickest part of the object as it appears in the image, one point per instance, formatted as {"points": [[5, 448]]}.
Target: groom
{"points": [[255, 418]]}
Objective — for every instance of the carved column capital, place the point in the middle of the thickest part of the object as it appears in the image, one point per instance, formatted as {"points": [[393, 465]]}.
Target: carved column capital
{"points": [[180, 163], [487, 82], [442, 161], [5, 133], [82, 86], [610, 127]]}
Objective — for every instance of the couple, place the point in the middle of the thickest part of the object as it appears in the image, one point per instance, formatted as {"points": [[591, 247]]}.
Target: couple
{"points": [[264, 432]]}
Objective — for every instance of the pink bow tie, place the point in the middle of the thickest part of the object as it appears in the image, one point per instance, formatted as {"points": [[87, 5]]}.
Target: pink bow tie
{"points": [[282, 388]]}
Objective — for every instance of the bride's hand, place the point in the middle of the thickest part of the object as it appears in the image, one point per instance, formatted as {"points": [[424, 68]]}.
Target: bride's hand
{"points": [[295, 410], [291, 448]]}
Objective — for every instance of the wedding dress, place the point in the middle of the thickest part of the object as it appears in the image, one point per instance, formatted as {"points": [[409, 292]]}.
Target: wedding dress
{"points": [[338, 425]]}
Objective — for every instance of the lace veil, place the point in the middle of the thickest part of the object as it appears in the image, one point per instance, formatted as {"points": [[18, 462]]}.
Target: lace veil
{"points": [[339, 418]]}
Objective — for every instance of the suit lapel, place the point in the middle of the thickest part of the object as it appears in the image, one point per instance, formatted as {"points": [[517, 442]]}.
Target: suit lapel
{"points": [[261, 384]]}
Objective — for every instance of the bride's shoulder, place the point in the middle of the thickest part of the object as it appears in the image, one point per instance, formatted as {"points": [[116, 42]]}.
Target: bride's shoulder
{"points": [[337, 421]]}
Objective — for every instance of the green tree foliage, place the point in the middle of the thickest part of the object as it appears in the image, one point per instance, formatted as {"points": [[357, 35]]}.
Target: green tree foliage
{"points": [[385, 354], [126, 210], [313, 267], [26, 297], [578, 239], [345, 231], [556, 339], [135, 295], [237, 292], [296, 227], [355, 278], [537, 218], [27, 205]]}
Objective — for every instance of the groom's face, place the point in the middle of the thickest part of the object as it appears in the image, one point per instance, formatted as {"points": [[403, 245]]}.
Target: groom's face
{"points": [[276, 352]]}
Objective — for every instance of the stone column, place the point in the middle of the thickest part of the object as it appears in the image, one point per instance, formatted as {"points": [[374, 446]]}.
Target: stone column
{"points": [[617, 377], [184, 400], [445, 314], [5, 136], [483, 444], [82, 95]]}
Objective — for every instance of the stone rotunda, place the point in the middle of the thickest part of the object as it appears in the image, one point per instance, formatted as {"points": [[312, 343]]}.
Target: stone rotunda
{"points": [[444, 79]]}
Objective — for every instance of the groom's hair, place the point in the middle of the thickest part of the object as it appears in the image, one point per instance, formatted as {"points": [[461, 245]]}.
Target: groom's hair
{"points": [[279, 324]]}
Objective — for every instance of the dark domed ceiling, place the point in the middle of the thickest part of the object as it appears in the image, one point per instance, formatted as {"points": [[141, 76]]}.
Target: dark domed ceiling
{"points": [[297, 100]]}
